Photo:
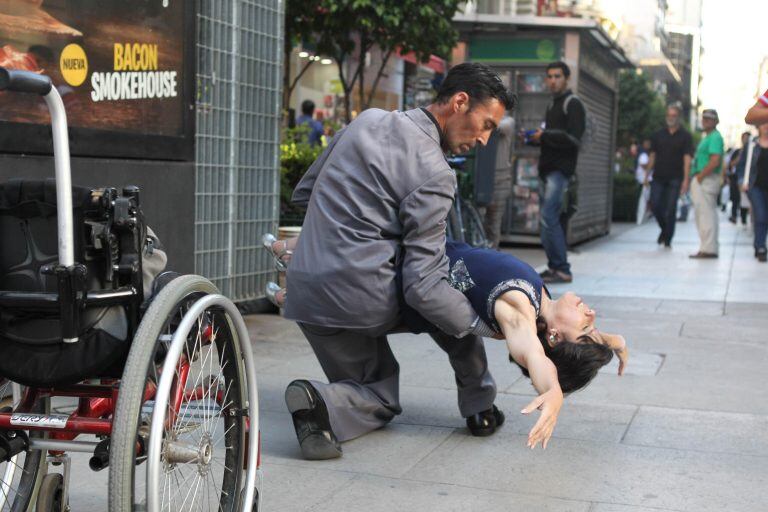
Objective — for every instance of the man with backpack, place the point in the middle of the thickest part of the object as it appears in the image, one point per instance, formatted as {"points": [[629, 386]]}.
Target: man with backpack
{"points": [[560, 140]]}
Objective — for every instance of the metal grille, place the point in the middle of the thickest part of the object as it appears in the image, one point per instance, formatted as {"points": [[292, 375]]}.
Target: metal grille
{"points": [[594, 164], [239, 66]]}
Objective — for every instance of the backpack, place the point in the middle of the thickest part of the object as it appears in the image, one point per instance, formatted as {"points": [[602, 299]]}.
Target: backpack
{"points": [[590, 126]]}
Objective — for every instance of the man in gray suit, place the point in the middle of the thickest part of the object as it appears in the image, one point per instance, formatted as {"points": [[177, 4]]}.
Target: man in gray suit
{"points": [[377, 201]]}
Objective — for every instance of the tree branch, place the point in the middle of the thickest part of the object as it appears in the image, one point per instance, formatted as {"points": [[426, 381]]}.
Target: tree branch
{"points": [[298, 77], [378, 77]]}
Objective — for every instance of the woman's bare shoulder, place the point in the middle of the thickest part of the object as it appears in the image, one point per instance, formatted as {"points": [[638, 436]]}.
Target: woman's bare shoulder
{"points": [[514, 304]]}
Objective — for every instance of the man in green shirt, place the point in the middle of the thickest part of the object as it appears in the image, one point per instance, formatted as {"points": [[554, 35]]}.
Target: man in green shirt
{"points": [[705, 182]]}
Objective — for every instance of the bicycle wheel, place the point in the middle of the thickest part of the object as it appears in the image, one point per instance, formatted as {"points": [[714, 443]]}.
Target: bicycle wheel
{"points": [[474, 233], [453, 229]]}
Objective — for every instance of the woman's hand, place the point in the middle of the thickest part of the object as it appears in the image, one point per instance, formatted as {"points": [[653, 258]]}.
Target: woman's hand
{"points": [[618, 344], [623, 355], [549, 403]]}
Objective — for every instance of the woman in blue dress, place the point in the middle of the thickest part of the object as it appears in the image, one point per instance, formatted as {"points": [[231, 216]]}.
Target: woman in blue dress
{"points": [[554, 342]]}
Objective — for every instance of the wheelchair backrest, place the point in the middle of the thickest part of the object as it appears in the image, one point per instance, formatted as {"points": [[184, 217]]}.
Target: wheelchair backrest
{"points": [[28, 232]]}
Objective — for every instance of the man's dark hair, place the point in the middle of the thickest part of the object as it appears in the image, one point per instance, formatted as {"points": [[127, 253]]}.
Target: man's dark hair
{"points": [[577, 363], [307, 107], [560, 65], [479, 81]]}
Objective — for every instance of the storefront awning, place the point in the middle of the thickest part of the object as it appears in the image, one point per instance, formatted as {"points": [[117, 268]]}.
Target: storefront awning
{"points": [[435, 63]]}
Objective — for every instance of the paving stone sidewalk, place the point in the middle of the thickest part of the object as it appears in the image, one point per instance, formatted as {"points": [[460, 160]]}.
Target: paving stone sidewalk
{"points": [[686, 429]]}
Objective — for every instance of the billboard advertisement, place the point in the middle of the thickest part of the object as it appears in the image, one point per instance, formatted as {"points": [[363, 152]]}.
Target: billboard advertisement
{"points": [[125, 70]]}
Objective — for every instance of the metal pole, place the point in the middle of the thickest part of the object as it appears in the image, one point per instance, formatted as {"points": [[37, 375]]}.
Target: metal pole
{"points": [[63, 177]]}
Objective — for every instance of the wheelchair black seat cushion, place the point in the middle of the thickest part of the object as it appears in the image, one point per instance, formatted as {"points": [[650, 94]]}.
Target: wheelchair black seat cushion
{"points": [[96, 354]]}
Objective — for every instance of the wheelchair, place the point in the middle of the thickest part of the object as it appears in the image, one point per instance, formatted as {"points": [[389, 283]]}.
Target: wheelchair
{"points": [[160, 365]]}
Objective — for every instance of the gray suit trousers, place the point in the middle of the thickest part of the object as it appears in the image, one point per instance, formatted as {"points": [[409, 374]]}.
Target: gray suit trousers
{"points": [[363, 389]]}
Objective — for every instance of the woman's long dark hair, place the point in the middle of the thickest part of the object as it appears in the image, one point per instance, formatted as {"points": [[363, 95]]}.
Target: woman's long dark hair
{"points": [[576, 363]]}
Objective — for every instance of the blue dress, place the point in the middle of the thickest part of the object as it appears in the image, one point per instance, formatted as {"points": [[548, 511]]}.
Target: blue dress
{"points": [[483, 275]]}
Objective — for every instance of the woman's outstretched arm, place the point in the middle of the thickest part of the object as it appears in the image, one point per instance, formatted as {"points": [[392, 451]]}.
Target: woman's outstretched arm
{"points": [[517, 320]]}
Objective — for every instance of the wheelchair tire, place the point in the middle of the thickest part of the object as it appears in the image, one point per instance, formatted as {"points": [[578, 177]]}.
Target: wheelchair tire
{"points": [[51, 495], [202, 428], [20, 478]]}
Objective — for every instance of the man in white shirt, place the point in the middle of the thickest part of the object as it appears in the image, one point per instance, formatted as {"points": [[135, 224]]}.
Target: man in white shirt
{"points": [[643, 176]]}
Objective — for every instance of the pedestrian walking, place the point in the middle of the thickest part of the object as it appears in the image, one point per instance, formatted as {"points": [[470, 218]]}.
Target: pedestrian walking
{"points": [[314, 137], [502, 181], [756, 186], [705, 183], [670, 159], [735, 180], [560, 141], [377, 201], [643, 176]]}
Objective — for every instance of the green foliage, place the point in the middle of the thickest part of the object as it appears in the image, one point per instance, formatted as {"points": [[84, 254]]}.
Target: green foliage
{"points": [[641, 109], [626, 192], [341, 29], [330, 25], [296, 155]]}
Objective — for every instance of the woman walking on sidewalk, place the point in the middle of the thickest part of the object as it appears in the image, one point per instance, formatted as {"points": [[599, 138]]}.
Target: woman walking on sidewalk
{"points": [[756, 187]]}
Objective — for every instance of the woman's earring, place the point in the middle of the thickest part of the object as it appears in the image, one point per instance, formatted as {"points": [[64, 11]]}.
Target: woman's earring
{"points": [[551, 338]]}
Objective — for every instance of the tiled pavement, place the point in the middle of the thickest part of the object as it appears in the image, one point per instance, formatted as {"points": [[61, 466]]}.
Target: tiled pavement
{"points": [[686, 429]]}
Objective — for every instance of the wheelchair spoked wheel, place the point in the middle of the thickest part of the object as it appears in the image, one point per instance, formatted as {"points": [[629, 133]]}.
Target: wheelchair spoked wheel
{"points": [[179, 440], [20, 476]]}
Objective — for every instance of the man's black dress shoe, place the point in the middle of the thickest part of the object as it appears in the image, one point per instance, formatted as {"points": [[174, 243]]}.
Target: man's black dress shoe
{"points": [[311, 421], [486, 422]]}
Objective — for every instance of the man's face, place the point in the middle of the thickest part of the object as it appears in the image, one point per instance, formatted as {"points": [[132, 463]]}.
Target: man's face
{"points": [[468, 126], [556, 81], [744, 139], [708, 124], [673, 118]]}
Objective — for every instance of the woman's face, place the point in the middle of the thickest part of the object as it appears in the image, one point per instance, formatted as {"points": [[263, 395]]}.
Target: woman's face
{"points": [[573, 319]]}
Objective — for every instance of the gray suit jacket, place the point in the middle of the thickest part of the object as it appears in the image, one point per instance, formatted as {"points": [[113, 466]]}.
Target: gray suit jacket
{"points": [[379, 195]]}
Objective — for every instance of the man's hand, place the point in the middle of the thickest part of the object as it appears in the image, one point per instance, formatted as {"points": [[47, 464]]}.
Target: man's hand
{"points": [[699, 177], [536, 136], [684, 188], [549, 403]]}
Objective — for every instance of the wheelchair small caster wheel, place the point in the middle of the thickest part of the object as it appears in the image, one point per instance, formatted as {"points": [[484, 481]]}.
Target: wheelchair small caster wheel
{"points": [[51, 495]]}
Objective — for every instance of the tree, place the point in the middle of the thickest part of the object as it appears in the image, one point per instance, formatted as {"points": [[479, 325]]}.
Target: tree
{"points": [[347, 29], [297, 22], [641, 109]]}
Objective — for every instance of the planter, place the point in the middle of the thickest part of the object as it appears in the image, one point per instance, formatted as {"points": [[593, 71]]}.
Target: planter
{"points": [[626, 192]]}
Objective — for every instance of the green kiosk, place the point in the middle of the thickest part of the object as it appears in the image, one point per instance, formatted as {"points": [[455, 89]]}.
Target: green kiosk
{"points": [[520, 47]]}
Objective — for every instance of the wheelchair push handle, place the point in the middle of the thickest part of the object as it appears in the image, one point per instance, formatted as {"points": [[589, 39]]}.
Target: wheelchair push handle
{"points": [[24, 81]]}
